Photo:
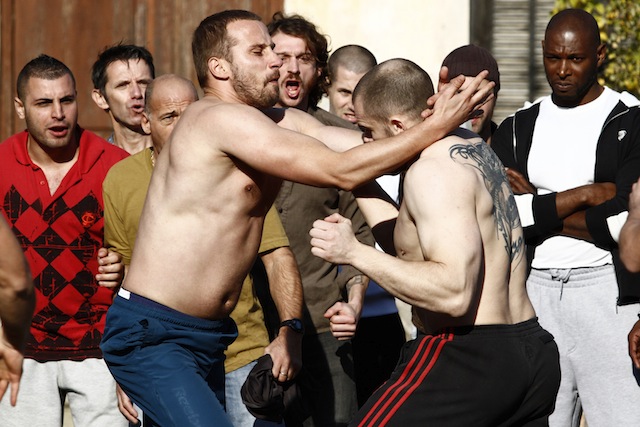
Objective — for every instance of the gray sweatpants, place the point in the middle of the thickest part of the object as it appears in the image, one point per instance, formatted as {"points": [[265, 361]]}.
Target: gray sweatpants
{"points": [[88, 384], [578, 306]]}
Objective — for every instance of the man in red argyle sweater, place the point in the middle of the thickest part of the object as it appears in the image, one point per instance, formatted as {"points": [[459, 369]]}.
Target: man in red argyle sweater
{"points": [[51, 195]]}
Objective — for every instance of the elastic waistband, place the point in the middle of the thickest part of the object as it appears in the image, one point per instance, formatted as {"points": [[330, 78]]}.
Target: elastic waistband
{"points": [[582, 272], [520, 329], [139, 299], [571, 277], [146, 306]]}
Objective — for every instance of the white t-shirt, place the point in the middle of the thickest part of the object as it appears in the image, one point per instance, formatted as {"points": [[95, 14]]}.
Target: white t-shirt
{"points": [[563, 155]]}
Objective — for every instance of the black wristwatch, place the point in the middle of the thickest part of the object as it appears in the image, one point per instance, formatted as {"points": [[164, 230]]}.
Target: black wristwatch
{"points": [[295, 324]]}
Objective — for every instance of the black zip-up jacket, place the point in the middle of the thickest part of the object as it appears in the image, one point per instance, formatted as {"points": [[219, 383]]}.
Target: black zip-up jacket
{"points": [[617, 161]]}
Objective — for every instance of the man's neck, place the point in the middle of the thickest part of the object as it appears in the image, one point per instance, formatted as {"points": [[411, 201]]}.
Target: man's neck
{"points": [[129, 140], [591, 95], [54, 163], [45, 156], [222, 93]]}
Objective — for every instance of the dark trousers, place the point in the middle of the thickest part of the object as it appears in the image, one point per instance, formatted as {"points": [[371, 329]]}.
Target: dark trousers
{"points": [[376, 349], [483, 376]]}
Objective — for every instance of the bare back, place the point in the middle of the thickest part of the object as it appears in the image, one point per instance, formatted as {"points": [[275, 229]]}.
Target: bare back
{"points": [[459, 213]]}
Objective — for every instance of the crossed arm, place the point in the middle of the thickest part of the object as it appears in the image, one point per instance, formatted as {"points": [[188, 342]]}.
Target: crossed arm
{"points": [[570, 204]]}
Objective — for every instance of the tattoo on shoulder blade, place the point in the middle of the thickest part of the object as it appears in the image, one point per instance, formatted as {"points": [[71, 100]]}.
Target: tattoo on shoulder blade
{"points": [[505, 212]]}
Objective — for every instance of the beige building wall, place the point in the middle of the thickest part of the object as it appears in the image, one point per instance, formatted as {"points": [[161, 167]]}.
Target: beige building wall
{"points": [[424, 31]]}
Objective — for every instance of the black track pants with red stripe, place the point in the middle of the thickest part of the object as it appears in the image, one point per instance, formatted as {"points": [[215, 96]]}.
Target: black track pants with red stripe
{"points": [[495, 375]]}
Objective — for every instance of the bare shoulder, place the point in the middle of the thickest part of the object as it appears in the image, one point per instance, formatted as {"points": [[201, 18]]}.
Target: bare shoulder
{"points": [[209, 111], [447, 155], [293, 119], [475, 153], [435, 173], [222, 124], [456, 165]]}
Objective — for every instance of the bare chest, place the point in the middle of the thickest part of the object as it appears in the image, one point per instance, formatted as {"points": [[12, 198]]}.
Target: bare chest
{"points": [[55, 176], [257, 190]]}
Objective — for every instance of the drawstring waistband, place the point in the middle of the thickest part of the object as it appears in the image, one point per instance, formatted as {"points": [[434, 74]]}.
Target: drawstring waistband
{"points": [[561, 275]]}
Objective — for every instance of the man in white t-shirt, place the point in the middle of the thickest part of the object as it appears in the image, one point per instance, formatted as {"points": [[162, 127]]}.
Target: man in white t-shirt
{"points": [[572, 158]]}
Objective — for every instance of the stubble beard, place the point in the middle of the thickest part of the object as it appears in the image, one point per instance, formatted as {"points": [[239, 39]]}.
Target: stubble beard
{"points": [[252, 93]]}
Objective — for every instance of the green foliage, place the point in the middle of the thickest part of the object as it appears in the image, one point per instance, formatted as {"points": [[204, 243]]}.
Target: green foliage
{"points": [[619, 22]]}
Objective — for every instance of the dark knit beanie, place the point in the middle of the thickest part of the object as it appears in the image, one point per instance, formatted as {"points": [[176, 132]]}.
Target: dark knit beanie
{"points": [[469, 60]]}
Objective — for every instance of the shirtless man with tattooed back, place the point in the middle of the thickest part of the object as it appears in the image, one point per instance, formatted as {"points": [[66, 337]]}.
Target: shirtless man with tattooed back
{"points": [[481, 359]]}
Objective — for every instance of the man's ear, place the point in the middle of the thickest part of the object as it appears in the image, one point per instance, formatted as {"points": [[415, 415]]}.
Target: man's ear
{"points": [[397, 125], [19, 106], [99, 99], [144, 123], [219, 68], [601, 53]]}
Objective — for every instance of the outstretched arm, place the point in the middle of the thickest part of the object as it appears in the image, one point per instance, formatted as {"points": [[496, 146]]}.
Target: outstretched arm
{"points": [[289, 155], [17, 301]]}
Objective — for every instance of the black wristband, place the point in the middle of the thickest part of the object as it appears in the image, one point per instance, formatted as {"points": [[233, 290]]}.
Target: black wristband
{"points": [[295, 324]]}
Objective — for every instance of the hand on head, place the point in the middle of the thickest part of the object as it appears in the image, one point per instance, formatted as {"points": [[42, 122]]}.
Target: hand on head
{"points": [[464, 100]]}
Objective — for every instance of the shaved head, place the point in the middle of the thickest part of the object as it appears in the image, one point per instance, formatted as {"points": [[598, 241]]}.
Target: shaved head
{"points": [[396, 86], [352, 57], [180, 84], [166, 99], [576, 20]]}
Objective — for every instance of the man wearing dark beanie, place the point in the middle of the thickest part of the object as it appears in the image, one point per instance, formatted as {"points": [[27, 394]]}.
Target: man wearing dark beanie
{"points": [[469, 60]]}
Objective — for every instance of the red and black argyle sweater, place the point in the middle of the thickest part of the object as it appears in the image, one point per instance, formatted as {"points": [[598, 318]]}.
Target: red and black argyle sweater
{"points": [[61, 235]]}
